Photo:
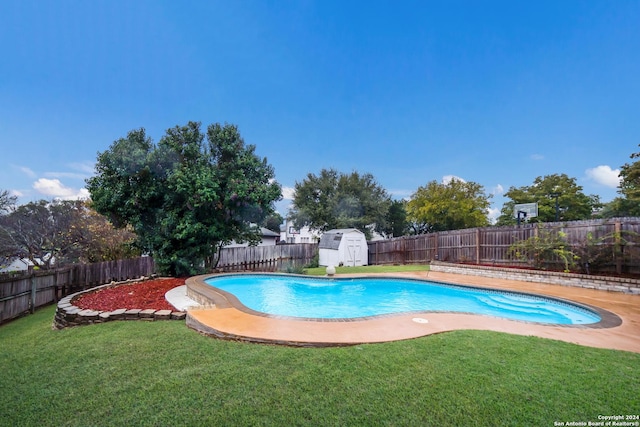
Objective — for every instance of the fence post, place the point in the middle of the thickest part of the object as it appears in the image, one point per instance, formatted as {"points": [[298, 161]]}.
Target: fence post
{"points": [[404, 250], [55, 285], [477, 245], [618, 246], [33, 293]]}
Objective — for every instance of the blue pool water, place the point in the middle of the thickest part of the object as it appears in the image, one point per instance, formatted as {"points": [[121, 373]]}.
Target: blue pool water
{"points": [[360, 297]]}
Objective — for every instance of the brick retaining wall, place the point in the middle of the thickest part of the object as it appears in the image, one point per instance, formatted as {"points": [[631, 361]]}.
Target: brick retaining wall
{"points": [[604, 283], [68, 315]]}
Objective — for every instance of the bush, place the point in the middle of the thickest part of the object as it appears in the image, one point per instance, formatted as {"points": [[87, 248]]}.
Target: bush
{"points": [[292, 268], [315, 263], [542, 250], [596, 253], [593, 254]]}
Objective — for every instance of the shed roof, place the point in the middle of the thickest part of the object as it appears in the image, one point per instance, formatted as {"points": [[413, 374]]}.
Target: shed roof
{"points": [[332, 238]]}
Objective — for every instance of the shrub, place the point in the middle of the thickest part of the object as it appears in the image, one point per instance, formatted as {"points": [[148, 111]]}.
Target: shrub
{"points": [[596, 253], [542, 250], [292, 268]]}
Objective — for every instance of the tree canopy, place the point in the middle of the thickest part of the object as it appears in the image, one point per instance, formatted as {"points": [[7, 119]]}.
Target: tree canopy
{"points": [[105, 242], [630, 174], [396, 223], [273, 222], [572, 203], [448, 206], [52, 234], [337, 200], [7, 201], [43, 232], [629, 202], [186, 197]]}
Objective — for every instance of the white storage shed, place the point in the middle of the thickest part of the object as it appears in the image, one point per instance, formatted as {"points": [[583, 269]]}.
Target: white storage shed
{"points": [[343, 247]]}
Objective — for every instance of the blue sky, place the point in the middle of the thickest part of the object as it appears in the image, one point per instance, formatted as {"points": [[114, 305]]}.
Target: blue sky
{"points": [[495, 92]]}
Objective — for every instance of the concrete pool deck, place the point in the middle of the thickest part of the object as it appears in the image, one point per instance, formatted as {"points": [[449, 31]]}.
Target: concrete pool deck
{"points": [[228, 320]]}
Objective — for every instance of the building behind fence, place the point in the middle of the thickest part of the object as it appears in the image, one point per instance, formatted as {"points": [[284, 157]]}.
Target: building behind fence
{"points": [[491, 245], [24, 293]]}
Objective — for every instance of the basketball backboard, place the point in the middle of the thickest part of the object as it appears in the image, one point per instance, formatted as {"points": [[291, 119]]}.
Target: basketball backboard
{"points": [[531, 209]]}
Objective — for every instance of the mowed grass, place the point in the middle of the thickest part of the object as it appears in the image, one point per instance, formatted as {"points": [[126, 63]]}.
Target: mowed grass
{"points": [[164, 374], [321, 271]]}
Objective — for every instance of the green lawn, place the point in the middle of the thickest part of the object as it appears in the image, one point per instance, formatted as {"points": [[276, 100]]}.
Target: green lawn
{"points": [[164, 374], [321, 271]]}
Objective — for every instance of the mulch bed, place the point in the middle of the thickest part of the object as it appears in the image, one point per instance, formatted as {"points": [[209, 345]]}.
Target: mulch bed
{"points": [[143, 295]]}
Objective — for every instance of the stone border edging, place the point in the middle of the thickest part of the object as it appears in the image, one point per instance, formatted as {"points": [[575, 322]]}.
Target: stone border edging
{"points": [[68, 315], [603, 283]]}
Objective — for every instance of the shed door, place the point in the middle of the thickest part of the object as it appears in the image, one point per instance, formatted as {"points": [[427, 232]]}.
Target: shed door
{"points": [[354, 251]]}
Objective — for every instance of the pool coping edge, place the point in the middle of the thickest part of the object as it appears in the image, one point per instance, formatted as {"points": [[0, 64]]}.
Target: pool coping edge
{"points": [[214, 298]]}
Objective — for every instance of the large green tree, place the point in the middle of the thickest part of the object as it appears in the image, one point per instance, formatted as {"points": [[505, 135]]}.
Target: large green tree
{"points": [[337, 200], [448, 206], [629, 202], [273, 222], [396, 223], [188, 196], [104, 241], [556, 194]]}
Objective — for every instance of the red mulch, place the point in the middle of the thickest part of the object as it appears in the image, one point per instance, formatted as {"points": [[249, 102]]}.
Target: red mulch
{"points": [[143, 295]]}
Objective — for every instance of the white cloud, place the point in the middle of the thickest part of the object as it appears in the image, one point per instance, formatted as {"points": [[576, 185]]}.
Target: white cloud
{"points": [[84, 194], [498, 189], [16, 193], [448, 178], [288, 193], [72, 175], [82, 171], [85, 167], [604, 175], [402, 194], [494, 213], [537, 157], [25, 170], [56, 189]]}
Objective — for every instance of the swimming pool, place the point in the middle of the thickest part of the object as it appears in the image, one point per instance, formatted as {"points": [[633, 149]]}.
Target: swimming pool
{"points": [[340, 298]]}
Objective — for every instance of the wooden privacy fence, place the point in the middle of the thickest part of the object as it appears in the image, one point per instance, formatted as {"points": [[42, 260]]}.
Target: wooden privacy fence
{"points": [[25, 293], [476, 245], [491, 245], [266, 258]]}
